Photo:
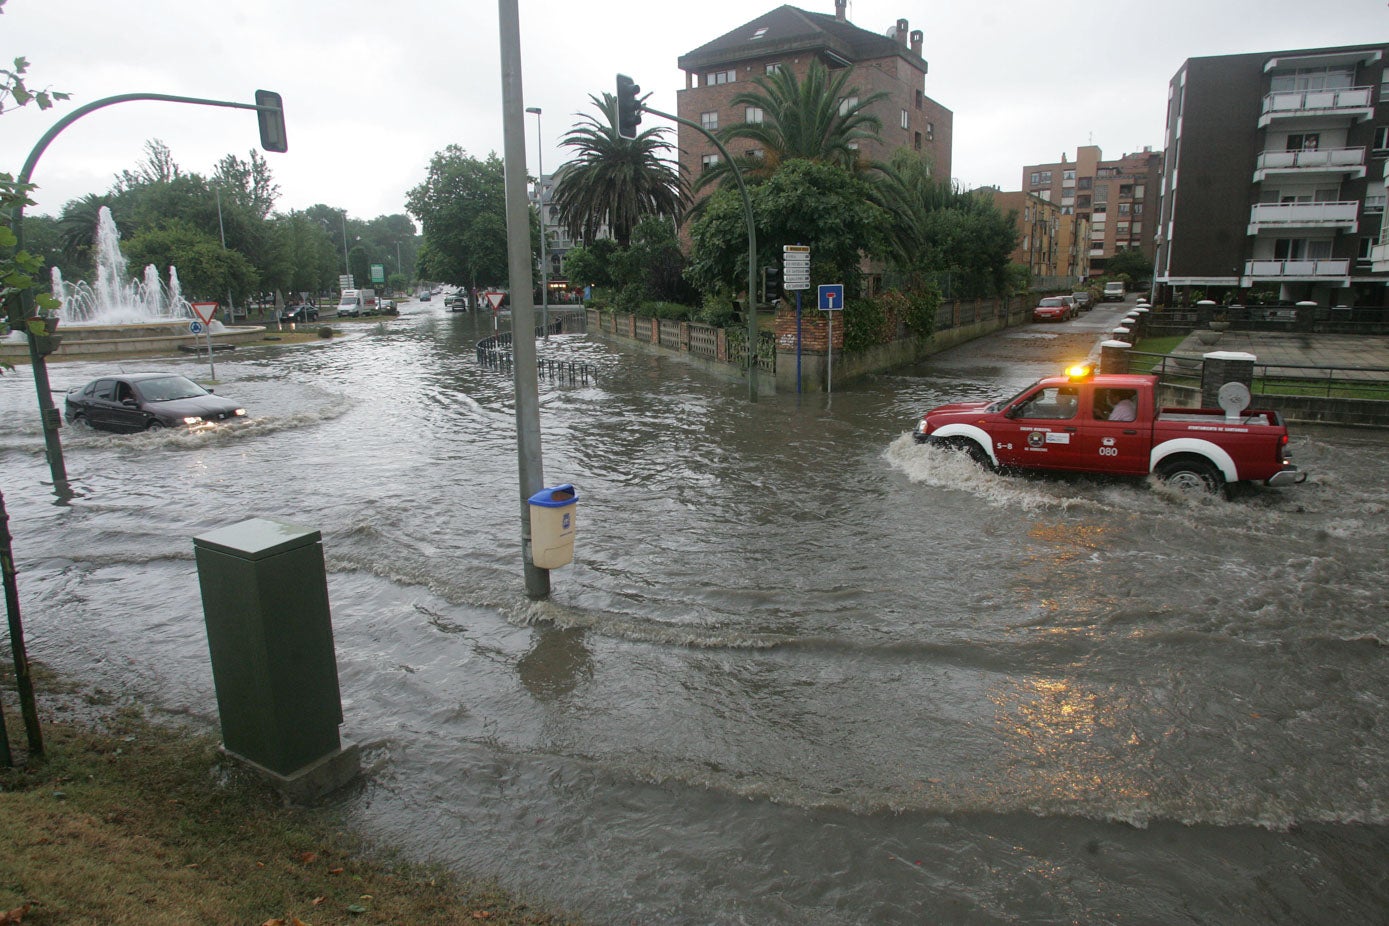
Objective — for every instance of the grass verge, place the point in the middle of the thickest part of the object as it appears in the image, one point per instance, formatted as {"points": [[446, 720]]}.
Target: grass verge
{"points": [[126, 822]]}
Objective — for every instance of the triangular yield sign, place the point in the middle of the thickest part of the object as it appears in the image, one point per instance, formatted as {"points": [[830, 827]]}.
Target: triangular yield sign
{"points": [[495, 299], [205, 311]]}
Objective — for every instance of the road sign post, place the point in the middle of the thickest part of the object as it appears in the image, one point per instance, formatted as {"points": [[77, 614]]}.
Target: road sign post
{"points": [[831, 301], [795, 277], [205, 311]]}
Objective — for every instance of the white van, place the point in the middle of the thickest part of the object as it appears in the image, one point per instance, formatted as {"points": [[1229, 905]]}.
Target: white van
{"points": [[1114, 291], [350, 305]]}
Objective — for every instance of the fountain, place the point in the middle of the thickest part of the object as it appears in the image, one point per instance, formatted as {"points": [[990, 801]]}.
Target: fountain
{"points": [[118, 314]]}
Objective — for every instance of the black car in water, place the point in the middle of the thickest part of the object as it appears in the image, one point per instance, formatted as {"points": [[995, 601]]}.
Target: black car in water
{"points": [[148, 402]]}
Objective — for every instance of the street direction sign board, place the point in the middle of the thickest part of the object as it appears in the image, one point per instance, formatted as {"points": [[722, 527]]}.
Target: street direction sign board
{"points": [[204, 311], [832, 297], [795, 267]]}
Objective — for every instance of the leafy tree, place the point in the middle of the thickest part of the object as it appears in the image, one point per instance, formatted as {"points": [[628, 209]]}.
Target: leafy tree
{"points": [[206, 270], [1131, 261], [157, 167], [810, 119], [908, 193], [248, 183], [615, 182], [592, 263], [304, 257], [462, 209], [810, 203], [971, 243]]}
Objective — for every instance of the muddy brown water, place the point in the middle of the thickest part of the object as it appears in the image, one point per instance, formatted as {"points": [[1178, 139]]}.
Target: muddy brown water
{"points": [[802, 669]]}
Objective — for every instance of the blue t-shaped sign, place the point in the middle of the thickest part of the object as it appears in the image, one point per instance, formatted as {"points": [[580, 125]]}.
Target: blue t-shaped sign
{"points": [[832, 297]]}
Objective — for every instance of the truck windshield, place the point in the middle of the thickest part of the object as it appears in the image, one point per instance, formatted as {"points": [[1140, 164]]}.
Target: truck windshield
{"points": [[1001, 404]]}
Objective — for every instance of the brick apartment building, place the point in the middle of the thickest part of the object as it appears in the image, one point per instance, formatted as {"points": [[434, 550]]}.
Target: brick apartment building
{"points": [[1275, 176], [1119, 200], [788, 37], [1039, 226]]}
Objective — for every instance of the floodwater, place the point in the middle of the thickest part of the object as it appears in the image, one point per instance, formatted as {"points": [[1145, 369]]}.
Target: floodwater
{"points": [[802, 670]]}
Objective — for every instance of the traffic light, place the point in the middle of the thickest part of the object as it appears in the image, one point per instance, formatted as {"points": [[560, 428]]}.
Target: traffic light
{"points": [[628, 107], [771, 283], [272, 121]]}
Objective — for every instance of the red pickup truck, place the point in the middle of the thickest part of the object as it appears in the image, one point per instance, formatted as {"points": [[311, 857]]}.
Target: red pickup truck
{"points": [[1109, 423]]}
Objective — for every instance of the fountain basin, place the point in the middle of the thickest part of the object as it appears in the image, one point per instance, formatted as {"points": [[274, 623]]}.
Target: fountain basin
{"points": [[151, 337]]}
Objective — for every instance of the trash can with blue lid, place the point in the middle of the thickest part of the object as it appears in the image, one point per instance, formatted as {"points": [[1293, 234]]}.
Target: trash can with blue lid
{"points": [[552, 526]]}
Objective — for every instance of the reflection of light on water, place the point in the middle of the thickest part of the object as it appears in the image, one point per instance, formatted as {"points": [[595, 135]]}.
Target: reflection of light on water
{"points": [[1070, 742]]}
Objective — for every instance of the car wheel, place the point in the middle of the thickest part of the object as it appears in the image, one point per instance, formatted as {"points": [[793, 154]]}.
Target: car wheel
{"points": [[155, 425], [79, 420], [1191, 476]]}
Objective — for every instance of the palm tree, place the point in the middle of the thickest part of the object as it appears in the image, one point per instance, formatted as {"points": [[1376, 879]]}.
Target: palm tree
{"points": [[816, 119], [614, 181], [906, 190]]}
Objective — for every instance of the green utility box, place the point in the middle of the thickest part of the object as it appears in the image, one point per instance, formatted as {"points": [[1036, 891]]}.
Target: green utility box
{"points": [[265, 601]]}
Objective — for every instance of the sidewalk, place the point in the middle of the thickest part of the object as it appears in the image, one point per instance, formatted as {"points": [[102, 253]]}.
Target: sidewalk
{"points": [[1298, 349]]}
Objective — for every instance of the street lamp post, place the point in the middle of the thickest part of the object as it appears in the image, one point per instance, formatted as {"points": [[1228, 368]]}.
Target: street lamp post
{"points": [[540, 203], [345, 269]]}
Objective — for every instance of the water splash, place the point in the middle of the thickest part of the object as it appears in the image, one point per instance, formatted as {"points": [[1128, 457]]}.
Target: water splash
{"points": [[115, 298]]}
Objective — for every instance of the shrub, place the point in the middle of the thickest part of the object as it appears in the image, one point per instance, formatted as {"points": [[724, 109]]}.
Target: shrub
{"points": [[718, 311], [865, 324], [325, 331]]}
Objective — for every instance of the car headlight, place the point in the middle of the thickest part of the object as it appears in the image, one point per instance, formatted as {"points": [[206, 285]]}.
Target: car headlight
{"points": [[240, 413], [922, 427], [191, 420]]}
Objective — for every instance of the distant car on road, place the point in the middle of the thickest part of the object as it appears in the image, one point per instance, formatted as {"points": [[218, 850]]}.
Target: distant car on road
{"points": [[1114, 291], [148, 402], [1083, 301], [456, 301], [1053, 309], [303, 312]]}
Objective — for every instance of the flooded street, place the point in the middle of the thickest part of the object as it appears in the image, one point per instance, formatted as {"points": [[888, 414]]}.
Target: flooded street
{"points": [[802, 670]]}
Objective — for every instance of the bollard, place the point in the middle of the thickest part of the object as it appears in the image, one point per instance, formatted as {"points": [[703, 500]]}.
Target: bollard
{"points": [[1221, 367], [1114, 356], [270, 636]]}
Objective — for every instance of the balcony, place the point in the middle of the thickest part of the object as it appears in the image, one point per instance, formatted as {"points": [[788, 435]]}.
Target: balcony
{"points": [[1289, 106], [1379, 258], [1278, 217], [1293, 271], [1340, 162]]}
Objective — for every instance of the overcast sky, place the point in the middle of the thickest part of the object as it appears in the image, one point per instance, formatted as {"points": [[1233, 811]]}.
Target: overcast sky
{"points": [[372, 90]]}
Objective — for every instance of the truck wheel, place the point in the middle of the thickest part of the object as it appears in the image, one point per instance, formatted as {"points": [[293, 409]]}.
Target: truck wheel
{"points": [[1191, 476], [971, 448]]}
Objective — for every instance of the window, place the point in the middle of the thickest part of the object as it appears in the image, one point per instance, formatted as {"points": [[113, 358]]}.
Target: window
{"points": [[773, 68], [1126, 191], [930, 131], [1045, 194], [1137, 208], [756, 154], [1366, 247], [754, 114], [1306, 141], [1124, 208], [758, 34], [1101, 208], [846, 104], [1122, 229], [1083, 202], [917, 141], [710, 121], [1137, 193], [918, 99], [1301, 248], [1068, 177], [1035, 179], [1101, 192], [1382, 133], [715, 78], [1084, 183], [905, 123], [1046, 177], [1137, 229], [708, 161], [1328, 78], [1056, 403], [1374, 202]]}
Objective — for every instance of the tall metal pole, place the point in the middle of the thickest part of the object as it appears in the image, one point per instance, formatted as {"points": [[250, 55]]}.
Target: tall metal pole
{"points": [[345, 269], [540, 203], [529, 464], [23, 683]]}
